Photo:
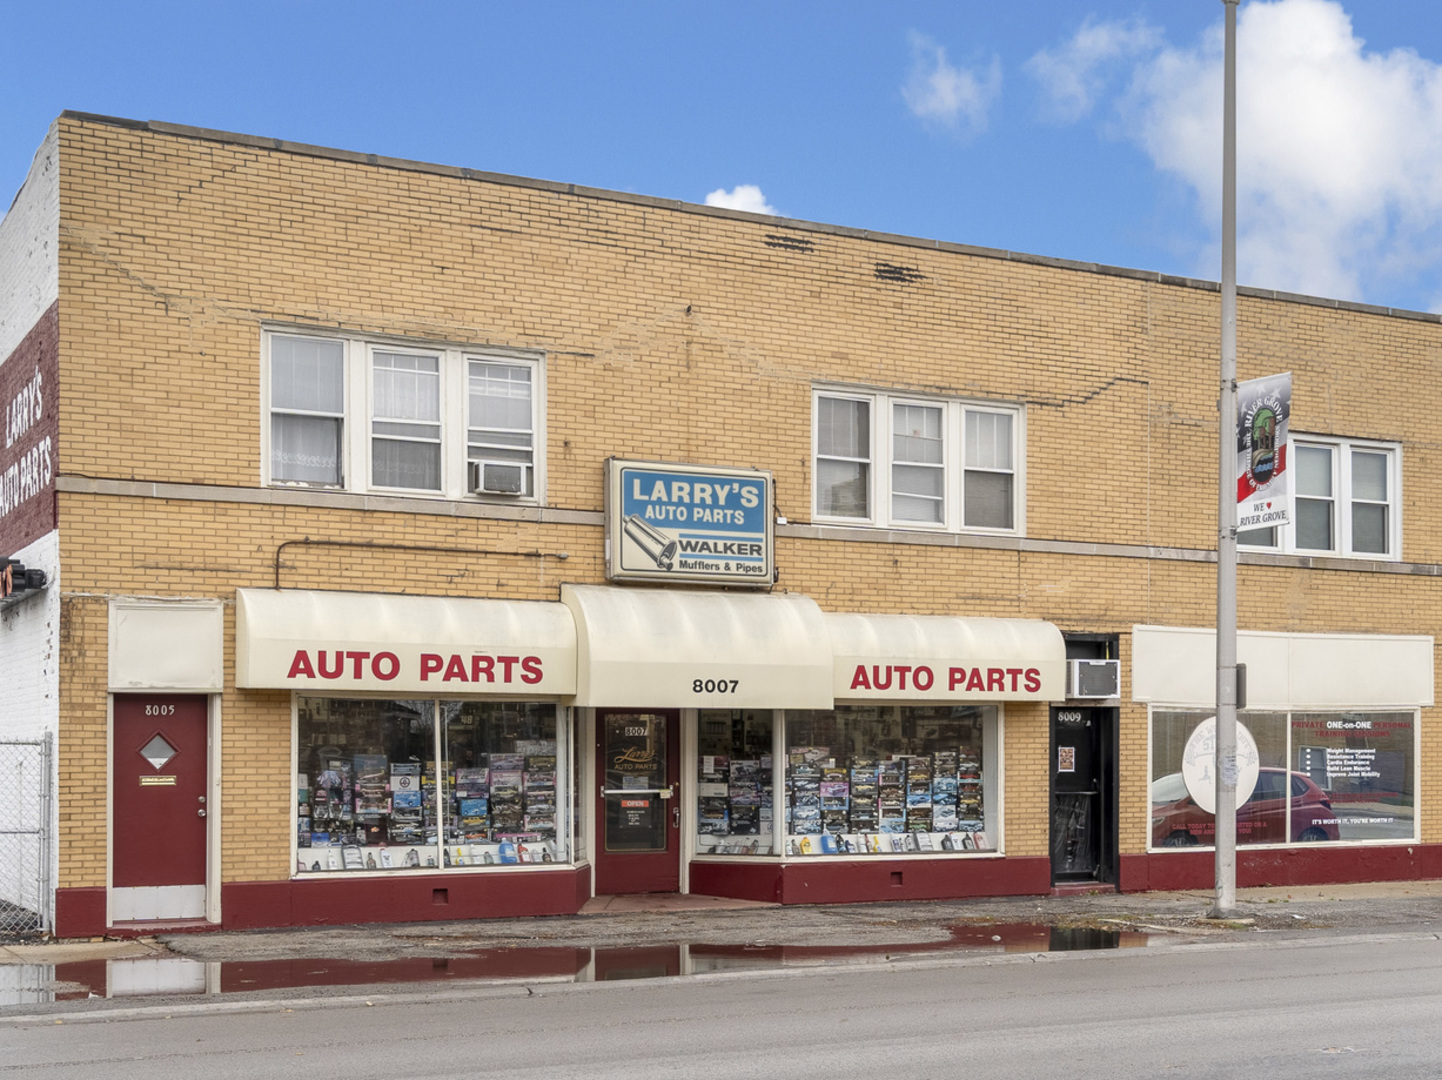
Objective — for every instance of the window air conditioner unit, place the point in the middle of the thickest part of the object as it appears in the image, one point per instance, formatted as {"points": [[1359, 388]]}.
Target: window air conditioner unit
{"points": [[497, 477], [1093, 678]]}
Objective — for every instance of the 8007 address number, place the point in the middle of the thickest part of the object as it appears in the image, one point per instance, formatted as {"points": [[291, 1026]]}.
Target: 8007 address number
{"points": [[714, 686]]}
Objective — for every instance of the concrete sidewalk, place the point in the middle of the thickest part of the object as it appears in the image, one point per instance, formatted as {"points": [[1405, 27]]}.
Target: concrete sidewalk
{"points": [[636, 921], [66, 952]]}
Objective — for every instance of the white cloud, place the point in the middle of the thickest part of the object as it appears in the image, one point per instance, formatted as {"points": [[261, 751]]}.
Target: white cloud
{"points": [[1339, 150], [1075, 73], [957, 97], [746, 197]]}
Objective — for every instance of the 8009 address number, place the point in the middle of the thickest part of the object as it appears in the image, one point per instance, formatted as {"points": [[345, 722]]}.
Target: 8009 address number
{"points": [[714, 686]]}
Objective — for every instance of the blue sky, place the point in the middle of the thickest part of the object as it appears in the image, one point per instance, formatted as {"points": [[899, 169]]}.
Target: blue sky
{"points": [[1083, 130]]}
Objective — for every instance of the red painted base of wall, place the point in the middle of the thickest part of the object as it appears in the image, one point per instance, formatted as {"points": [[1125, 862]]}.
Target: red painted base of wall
{"points": [[250, 905], [740, 881], [79, 913], [403, 898], [862, 882], [1317, 864]]}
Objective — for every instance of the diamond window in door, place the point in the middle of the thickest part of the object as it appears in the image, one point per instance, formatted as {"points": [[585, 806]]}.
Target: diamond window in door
{"points": [[157, 751]]}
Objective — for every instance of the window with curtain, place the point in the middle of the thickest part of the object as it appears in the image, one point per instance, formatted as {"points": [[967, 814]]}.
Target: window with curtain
{"points": [[442, 421], [990, 470], [1344, 501], [918, 465], [307, 410], [896, 462], [500, 417], [843, 457], [406, 421]]}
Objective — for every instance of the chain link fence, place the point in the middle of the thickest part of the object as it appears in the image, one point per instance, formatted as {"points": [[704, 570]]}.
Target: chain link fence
{"points": [[25, 888]]}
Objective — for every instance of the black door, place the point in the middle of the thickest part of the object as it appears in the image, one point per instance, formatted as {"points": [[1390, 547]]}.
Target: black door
{"points": [[1083, 795]]}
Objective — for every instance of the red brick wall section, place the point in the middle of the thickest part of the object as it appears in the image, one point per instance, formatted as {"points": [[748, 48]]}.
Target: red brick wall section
{"points": [[30, 435]]}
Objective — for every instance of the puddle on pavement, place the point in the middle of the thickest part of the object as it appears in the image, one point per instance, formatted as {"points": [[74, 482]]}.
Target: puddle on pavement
{"points": [[28, 984]]}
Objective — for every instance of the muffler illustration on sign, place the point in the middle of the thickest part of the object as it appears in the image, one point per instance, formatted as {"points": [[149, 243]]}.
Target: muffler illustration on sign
{"points": [[659, 548]]}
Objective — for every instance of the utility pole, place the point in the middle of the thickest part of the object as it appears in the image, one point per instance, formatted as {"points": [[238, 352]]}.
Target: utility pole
{"points": [[1225, 817]]}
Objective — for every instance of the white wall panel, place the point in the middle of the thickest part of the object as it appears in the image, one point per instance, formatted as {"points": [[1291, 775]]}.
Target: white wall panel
{"points": [[1175, 665]]}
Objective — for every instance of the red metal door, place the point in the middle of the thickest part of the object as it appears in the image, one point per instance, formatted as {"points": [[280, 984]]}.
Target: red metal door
{"points": [[159, 790], [638, 805]]}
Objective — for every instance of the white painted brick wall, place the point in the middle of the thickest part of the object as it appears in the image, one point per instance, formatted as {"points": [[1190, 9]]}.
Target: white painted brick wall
{"points": [[29, 284], [30, 650], [29, 248], [30, 707]]}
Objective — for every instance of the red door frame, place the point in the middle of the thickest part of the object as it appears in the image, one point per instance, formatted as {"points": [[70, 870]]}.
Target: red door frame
{"points": [[619, 873], [159, 815]]}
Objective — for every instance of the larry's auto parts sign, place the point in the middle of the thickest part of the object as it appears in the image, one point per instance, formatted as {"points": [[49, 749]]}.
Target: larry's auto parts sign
{"points": [[689, 523]]}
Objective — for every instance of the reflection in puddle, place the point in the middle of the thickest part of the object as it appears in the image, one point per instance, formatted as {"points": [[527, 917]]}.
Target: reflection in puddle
{"points": [[994, 937], [29, 984]]}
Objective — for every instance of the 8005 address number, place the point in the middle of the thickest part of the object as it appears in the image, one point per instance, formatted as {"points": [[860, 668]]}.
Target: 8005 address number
{"points": [[714, 686]]}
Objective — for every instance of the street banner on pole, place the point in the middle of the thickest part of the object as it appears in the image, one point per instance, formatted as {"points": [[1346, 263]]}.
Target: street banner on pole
{"points": [[1264, 411]]}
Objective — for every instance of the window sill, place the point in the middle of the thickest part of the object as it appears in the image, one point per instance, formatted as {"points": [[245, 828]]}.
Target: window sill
{"points": [[884, 856], [414, 871], [1297, 845], [844, 530], [856, 523], [1319, 560]]}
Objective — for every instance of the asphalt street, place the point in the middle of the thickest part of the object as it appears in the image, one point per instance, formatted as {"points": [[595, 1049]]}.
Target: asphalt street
{"points": [[1313, 1007]]}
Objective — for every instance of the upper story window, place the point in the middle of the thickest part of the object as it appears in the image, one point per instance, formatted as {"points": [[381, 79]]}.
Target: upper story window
{"points": [[501, 419], [307, 410], [357, 415], [902, 462], [406, 421], [1345, 501]]}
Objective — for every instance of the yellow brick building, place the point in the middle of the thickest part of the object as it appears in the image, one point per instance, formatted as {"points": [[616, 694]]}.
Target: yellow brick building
{"points": [[353, 480]]}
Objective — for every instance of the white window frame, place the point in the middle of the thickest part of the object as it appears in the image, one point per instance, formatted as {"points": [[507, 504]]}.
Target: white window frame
{"points": [[1289, 711], [270, 412], [493, 447], [373, 418], [949, 456], [879, 494], [358, 419], [1285, 537], [569, 809], [872, 466]]}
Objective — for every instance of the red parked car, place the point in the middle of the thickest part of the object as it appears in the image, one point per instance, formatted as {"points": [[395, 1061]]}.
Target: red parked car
{"points": [[1177, 821]]}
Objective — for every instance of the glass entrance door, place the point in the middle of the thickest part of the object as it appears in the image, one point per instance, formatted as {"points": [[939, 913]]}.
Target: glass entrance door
{"points": [[639, 805]]}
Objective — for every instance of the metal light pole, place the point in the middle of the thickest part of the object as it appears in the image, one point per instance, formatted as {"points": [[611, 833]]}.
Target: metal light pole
{"points": [[1226, 762]]}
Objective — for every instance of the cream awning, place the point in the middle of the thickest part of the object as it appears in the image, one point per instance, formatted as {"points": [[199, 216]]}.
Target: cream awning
{"points": [[674, 648], [638, 648], [300, 640], [945, 658]]}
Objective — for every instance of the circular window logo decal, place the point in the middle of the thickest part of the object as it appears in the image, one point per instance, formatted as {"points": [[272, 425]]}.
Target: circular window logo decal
{"points": [[1199, 762]]}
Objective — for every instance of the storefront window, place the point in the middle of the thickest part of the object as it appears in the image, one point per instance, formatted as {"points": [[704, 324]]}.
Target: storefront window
{"points": [[1177, 821], [367, 785], [887, 779], [501, 804], [1355, 776], [734, 782], [371, 798], [1352, 778], [578, 819]]}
